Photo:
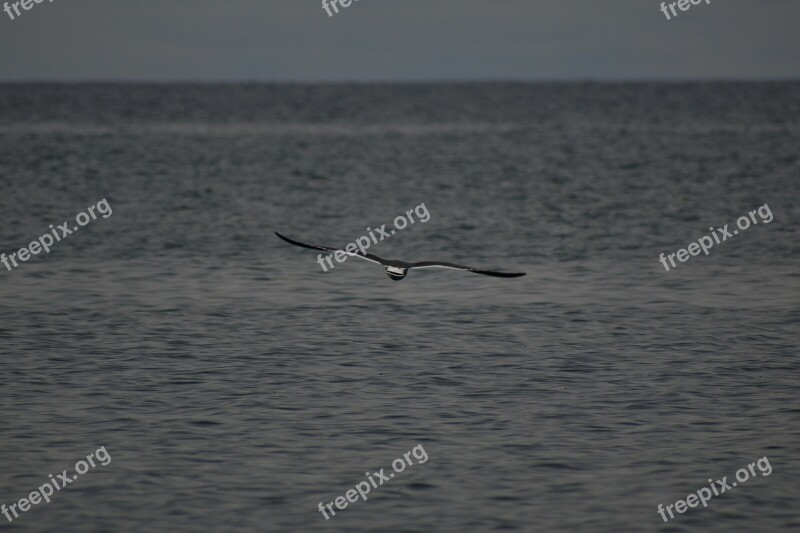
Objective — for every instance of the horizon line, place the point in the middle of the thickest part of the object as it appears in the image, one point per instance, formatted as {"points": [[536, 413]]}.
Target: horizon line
{"points": [[397, 81]]}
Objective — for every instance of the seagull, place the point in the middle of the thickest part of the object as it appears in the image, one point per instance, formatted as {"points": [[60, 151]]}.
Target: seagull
{"points": [[397, 270]]}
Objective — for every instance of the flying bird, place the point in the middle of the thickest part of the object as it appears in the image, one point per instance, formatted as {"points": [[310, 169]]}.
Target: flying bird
{"points": [[397, 270]]}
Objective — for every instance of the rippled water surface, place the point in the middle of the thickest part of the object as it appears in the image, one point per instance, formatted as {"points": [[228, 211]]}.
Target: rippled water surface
{"points": [[236, 385]]}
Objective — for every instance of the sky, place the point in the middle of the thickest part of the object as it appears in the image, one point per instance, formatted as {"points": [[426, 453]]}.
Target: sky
{"points": [[408, 40]]}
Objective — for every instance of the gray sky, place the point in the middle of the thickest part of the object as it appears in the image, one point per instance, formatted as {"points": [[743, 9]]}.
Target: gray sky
{"points": [[295, 40]]}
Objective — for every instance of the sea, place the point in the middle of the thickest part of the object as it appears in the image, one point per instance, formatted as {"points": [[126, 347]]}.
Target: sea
{"points": [[236, 386]]}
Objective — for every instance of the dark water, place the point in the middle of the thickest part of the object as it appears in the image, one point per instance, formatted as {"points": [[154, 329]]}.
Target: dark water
{"points": [[235, 385]]}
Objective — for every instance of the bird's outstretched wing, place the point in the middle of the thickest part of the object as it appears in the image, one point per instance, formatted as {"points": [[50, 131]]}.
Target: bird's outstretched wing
{"points": [[368, 257], [441, 264]]}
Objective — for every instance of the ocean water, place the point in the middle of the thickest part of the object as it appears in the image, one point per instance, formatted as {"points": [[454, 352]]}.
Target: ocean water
{"points": [[235, 385]]}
